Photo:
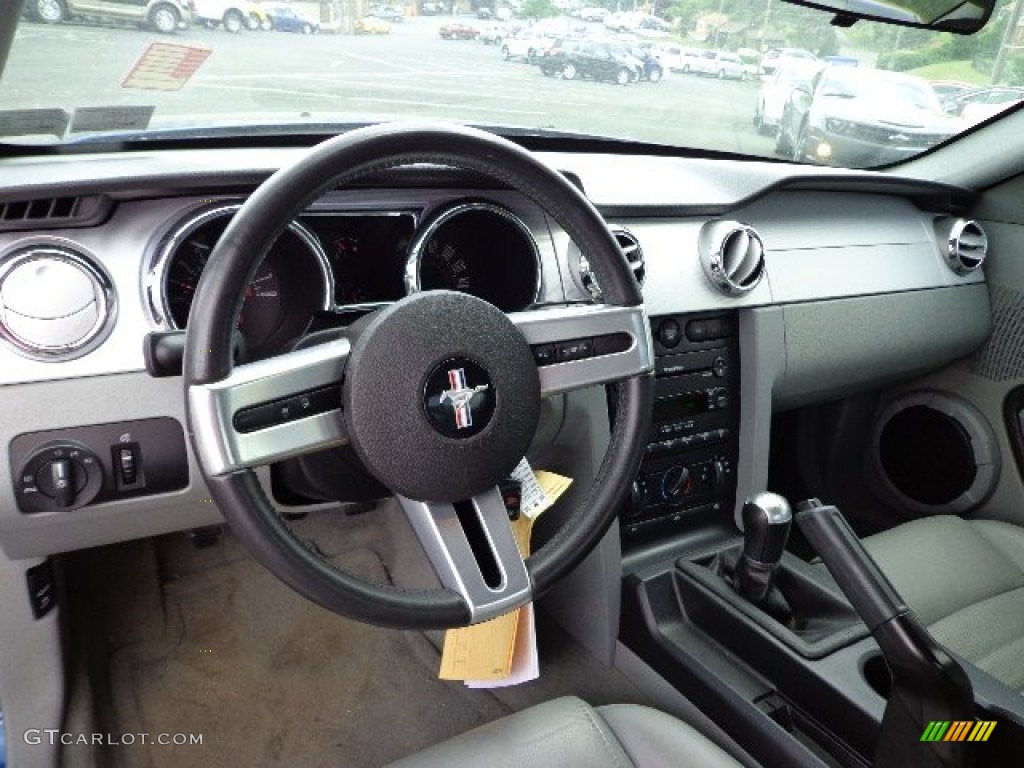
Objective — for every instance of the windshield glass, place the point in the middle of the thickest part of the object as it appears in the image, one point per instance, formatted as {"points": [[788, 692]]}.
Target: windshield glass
{"points": [[697, 73]]}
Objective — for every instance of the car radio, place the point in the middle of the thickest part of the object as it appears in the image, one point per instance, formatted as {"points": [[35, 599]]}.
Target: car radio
{"points": [[689, 464]]}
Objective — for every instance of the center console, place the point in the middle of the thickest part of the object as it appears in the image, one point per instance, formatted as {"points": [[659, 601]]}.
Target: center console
{"points": [[689, 465]]}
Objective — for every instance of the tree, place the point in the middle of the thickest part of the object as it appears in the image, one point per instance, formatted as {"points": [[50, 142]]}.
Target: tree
{"points": [[539, 9]]}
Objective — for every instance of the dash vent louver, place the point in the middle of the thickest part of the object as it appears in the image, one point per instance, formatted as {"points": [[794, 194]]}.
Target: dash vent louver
{"points": [[630, 247], [966, 246], [732, 255], [53, 212]]}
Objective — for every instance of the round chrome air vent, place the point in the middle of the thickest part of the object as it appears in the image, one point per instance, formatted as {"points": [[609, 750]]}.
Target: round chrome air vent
{"points": [[966, 247], [732, 255], [630, 247], [55, 301]]}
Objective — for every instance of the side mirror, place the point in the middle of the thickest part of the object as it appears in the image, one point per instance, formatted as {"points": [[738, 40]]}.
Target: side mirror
{"points": [[800, 97]]}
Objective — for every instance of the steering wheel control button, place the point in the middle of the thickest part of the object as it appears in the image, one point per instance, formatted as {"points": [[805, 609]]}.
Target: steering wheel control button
{"points": [[287, 409], [441, 395], [544, 354], [578, 349], [459, 398]]}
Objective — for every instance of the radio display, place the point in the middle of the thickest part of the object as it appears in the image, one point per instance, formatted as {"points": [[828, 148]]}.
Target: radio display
{"points": [[680, 406]]}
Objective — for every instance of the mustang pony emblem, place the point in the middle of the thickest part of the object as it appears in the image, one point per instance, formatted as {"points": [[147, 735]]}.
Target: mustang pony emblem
{"points": [[460, 396]]}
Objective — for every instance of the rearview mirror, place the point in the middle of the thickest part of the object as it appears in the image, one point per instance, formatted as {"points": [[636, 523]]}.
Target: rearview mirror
{"points": [[961, 16]]}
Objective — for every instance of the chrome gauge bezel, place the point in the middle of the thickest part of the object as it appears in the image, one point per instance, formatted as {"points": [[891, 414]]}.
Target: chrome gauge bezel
{"points": [[155, 288], [418, 246]]}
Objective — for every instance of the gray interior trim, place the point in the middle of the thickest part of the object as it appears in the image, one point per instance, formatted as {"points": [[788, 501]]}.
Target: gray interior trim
{"points": [[31, 670], [837, 347], [762, 363], [668, 699]]}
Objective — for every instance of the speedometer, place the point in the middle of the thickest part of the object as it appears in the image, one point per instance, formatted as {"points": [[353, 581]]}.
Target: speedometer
{"points": [[479, 248], [290, 285]]}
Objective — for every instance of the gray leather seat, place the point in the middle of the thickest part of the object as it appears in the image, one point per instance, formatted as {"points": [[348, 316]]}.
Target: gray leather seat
{"points": [[569, 733], [965, 582]]}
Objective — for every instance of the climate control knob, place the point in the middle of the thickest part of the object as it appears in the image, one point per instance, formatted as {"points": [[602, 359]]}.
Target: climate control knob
{"points": [[677, 481]]}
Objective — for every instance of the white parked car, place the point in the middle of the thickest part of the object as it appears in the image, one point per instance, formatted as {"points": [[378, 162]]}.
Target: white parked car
{"points": [[720, 64], [592, 14], [676, 58], [233, 15], [526, 45], [775, 92]]}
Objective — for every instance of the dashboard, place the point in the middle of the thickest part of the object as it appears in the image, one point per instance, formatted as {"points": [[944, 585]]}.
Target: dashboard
{"points": [[822, 266]]}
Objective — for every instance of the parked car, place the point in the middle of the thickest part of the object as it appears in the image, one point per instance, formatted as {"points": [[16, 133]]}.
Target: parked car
{"points": [[775, 91], [458, 31], [720, 64], [592, 14], [774, 57], [285, 18], [848, 114], [651, 69], [164, 16], [949, 90], [573, 58], [388, 13], [979, 105], [651, 26], [492, 34], [526, 45], [676, 58], [371, 25], [232, 15]]}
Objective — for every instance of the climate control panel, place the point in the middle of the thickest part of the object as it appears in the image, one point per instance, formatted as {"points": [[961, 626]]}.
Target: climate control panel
{"points": [[690, 457]]}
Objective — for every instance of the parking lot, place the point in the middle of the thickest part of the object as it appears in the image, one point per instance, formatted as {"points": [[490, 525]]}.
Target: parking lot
{"points": [[334, 78]]}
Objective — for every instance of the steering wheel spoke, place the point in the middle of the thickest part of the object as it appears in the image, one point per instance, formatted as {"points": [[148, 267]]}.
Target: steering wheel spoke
{"points": [[488, 574], [582, 346], [272, 409]]}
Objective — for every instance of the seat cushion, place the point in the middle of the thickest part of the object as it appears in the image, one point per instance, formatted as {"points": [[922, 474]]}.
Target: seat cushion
{"points": [[569, 733], [965, 581]]}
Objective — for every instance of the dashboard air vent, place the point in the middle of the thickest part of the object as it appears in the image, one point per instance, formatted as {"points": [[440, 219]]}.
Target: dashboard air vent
{"points": [[55, 301], [630, 247], [966, 247], [53, 212], [732, 255]]}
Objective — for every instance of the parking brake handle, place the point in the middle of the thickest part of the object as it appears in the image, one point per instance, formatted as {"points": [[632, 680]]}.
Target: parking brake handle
{"points": [[927, 684]]}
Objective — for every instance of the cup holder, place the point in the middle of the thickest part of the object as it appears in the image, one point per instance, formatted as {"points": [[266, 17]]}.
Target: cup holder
{"points": [[877, 674]]}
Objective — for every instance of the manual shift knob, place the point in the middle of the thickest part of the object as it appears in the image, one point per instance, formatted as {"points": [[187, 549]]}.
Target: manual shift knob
{"points": [[767, 519]]}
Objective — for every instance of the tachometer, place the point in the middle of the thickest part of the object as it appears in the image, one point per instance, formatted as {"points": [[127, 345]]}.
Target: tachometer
{"points": [[479, 248], [290, 285]]}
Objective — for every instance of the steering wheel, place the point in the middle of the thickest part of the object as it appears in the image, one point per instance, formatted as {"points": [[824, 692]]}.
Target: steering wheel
{"points": [[438, 394]]}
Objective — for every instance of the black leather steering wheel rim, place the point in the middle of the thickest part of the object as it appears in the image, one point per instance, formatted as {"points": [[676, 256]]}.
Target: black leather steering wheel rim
{"points": [[232, 265]]}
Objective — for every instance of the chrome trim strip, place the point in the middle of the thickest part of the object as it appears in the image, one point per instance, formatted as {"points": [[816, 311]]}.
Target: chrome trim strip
{"points": [[222, 449], [419, 243], [547, 326], [155, 280], [59, 249], [444, 541]]}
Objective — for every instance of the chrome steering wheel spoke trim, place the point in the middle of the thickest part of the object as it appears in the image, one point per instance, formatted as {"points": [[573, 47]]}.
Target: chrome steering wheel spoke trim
{"points": [[446, 545], [558, 325], [224, 448]]}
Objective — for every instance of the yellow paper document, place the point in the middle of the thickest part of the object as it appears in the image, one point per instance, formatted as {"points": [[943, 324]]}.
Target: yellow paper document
{"points": [[486, 653]]}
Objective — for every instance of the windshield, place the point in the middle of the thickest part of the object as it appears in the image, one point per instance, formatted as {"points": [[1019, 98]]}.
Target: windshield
{"points": [[91, 70]]}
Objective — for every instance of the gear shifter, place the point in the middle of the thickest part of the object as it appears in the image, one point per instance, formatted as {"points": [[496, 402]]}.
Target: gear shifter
{"points": [[767, 519]]}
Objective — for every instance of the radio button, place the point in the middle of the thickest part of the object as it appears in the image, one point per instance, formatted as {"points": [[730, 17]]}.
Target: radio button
{"points": [[669, 334]]}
